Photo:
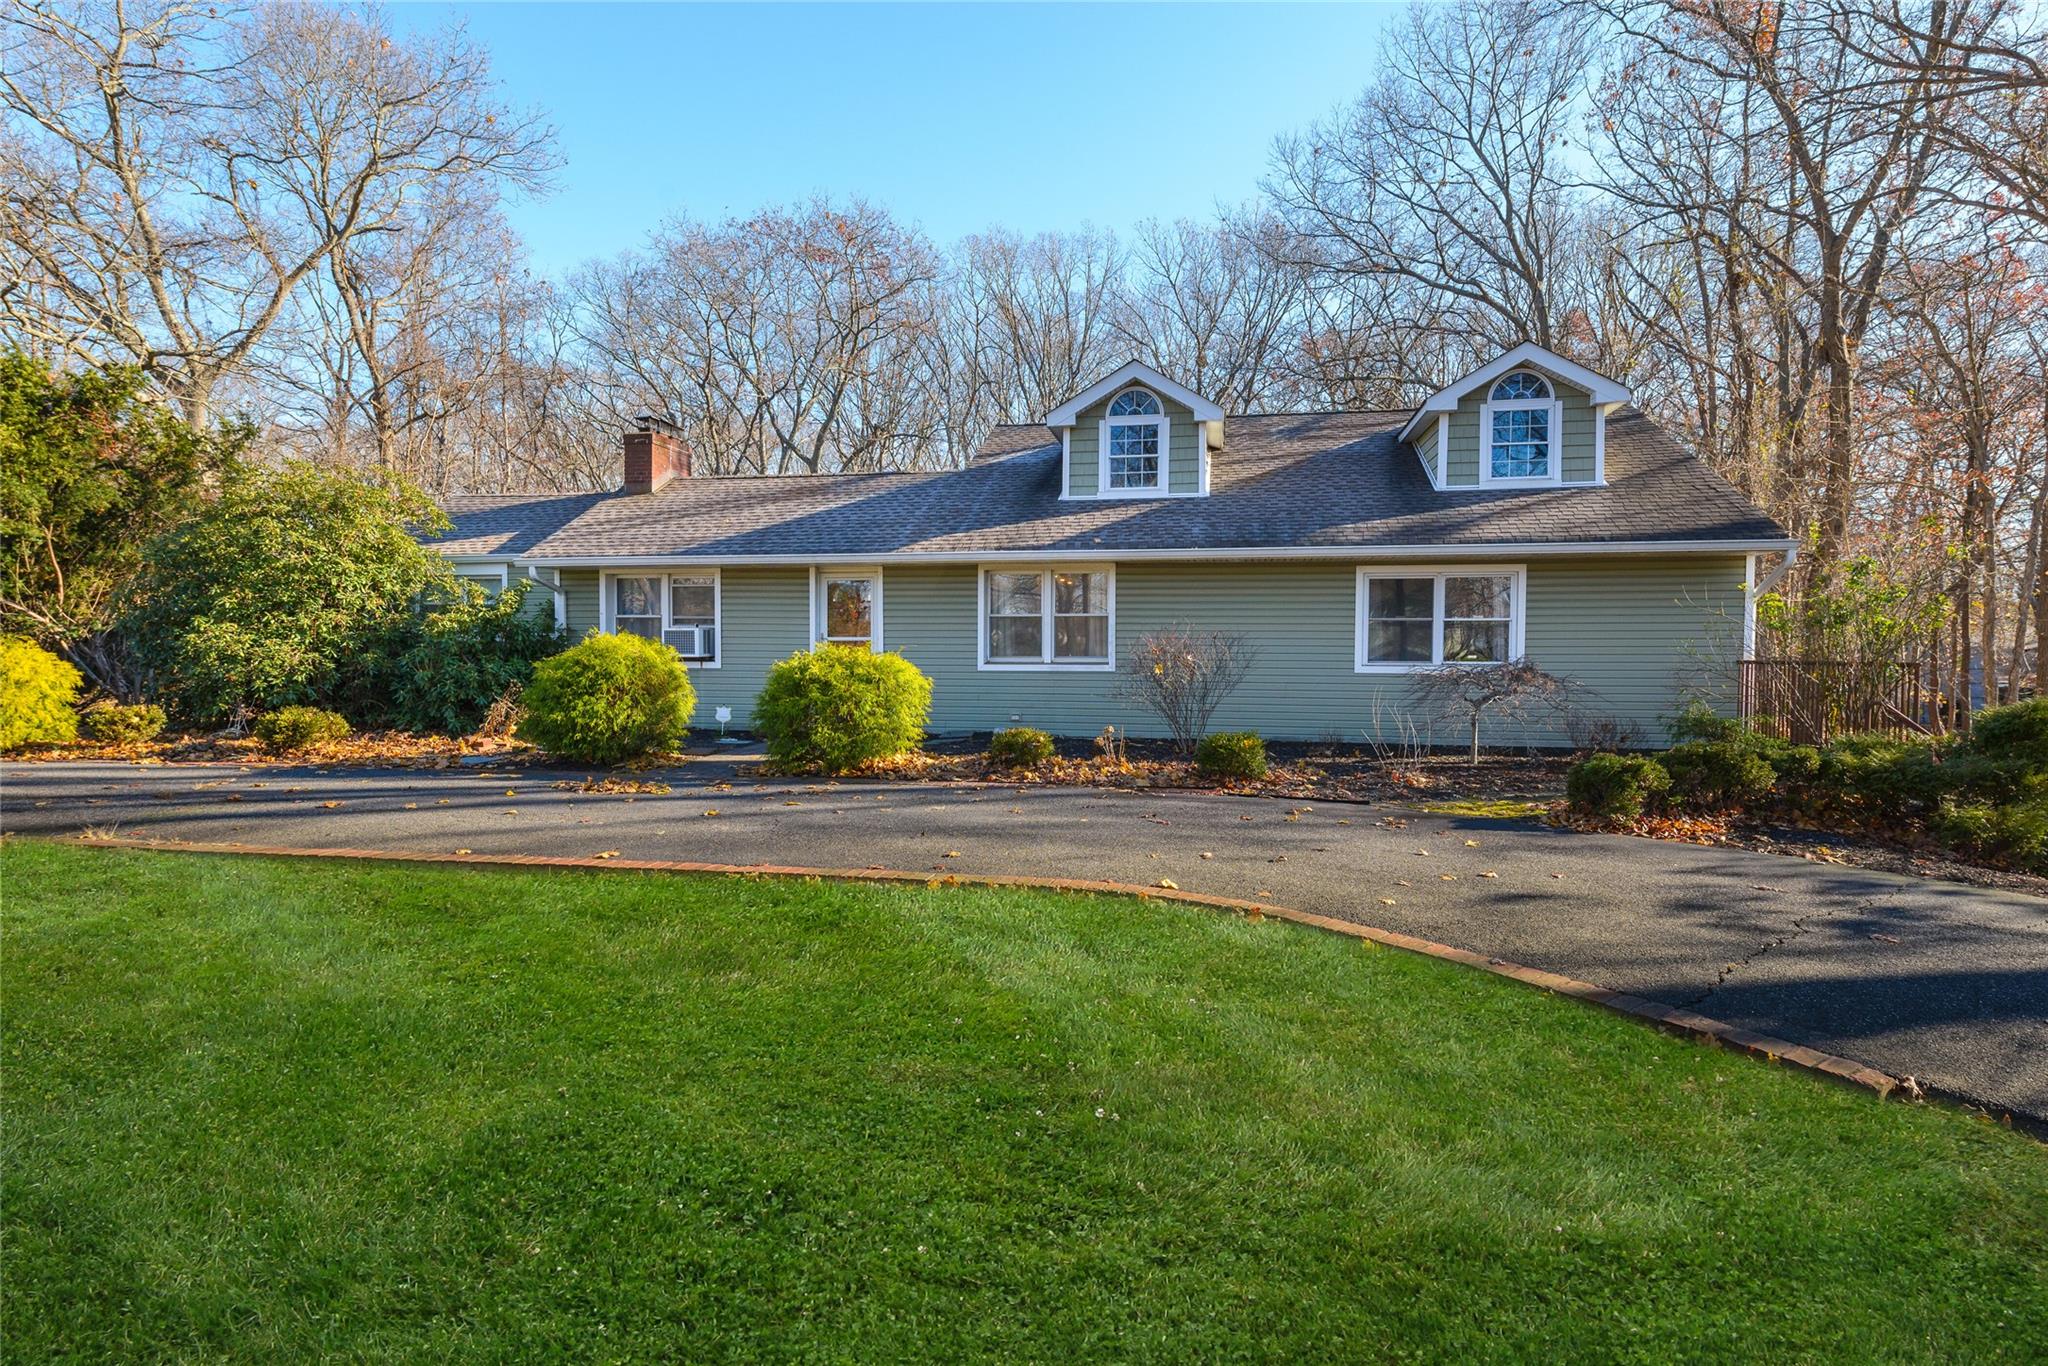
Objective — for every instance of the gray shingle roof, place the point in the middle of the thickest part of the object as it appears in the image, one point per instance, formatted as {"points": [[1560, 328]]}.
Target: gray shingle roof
{"points": [[1285, 481]]}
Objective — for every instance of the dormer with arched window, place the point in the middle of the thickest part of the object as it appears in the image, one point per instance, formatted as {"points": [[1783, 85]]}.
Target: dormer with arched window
{"points": [[1530, 419], [1136, 434]]}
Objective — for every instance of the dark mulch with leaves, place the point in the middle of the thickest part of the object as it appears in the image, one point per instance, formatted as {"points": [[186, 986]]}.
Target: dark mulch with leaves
{"points": [[1329, 771]]}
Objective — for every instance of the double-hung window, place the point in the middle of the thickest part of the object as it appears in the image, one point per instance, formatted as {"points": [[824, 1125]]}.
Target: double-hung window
{"points": [[1520, 424], [680, 610], [1047, 616], [1422, 617], [847, 608], [1135, 438]]}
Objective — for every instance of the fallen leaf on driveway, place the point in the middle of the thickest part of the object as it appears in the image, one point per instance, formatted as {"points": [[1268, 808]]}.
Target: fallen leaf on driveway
{"points": [[1447, 877], [330, 805], [1471, 844], [712, 812], [442, 802], [1558, 876], [1386, 901], [462, 851], [1885, 938], [609, 853], [1169, 884], [511, 791], [412, 806], [951, 853], [1205, 854], [1489, 875], [1423, 853]]}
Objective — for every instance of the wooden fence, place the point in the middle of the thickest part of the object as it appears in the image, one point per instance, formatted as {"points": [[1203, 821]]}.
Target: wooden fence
{"points": [[1811, 701]]}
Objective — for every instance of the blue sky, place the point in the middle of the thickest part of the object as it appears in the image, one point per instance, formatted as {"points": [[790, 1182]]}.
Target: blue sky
{"points": [[954, 117]]}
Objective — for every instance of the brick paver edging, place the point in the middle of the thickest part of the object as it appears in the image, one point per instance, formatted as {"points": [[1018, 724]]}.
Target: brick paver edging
{"points": [[1670, 1017]]}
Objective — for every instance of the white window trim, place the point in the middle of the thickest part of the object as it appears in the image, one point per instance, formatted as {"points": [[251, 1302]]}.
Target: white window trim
{"points": [[1518, 612], [1553, 441], [475, 570], [1163, 422], [1045, 663], [607, 602], [819, 575]]}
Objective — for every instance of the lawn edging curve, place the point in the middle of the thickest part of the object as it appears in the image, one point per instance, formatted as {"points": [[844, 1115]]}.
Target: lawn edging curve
{"points": [[1674, 1018]]}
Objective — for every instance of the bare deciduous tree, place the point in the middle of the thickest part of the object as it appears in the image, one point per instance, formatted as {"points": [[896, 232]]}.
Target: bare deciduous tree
{"points": [[1514, 691], [175, 172], [1183, 675]]}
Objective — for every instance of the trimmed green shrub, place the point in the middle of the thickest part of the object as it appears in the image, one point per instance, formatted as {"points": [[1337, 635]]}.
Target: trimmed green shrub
{"points": [[111, 723], [1236, 755], [1717, 774], [2015, 734], [1616, 787], [607, 699], [1882, 775], [468, 655], [2016, 832], [837, 707], [1700, 721], [1019, 747], [37, 690], [291, 729], [1796, 767]]}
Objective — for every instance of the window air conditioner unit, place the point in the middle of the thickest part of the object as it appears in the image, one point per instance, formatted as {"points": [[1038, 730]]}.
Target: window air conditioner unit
{"points": [[691, 642]]}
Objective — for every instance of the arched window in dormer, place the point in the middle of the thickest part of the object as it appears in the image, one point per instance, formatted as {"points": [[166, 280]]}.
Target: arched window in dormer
{"points": [[1135, 441], [1521, 384], [1521, 430]]}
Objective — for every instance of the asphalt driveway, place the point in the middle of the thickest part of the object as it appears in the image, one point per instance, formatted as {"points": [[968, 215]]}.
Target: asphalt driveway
{"points": [[1944, 983]]}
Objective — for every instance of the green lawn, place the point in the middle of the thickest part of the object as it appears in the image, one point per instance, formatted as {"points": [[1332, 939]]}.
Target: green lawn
{"points": [[260, 1109]]}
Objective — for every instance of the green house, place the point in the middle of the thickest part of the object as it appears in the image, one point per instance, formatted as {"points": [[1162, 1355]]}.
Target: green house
{"points": [[1525, 511]]}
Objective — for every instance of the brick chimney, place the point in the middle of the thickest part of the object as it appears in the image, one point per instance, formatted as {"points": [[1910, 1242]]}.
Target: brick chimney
{"points": [[655, 453]]}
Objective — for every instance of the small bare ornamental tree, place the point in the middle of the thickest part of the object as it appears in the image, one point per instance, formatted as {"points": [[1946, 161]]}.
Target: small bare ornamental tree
{"points": [[1515, 691], [1183, 676]]}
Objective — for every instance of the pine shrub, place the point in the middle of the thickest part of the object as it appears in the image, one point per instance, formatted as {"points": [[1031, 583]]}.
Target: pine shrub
{"points": [[607, 699], [1232, 755], [1019, 747], [1616, 787], [290, 730], [836, 707], [112, 723]]}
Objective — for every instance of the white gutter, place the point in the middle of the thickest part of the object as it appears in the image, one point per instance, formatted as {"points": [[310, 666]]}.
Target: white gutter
{"points": [[1434, 550]]}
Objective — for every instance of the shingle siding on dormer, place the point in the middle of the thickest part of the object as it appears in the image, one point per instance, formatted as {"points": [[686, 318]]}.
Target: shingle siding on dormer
{"points": [[1084, 445], [1577, 458]]}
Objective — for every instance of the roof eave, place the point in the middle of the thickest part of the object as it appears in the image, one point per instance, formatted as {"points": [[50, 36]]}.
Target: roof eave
{"points": [[1604, 392], [1066, 413]]}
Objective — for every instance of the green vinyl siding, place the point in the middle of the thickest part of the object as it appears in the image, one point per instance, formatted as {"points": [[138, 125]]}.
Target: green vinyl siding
{"points": [[1423, 443], [1577, 457], [1084, 451], [764, 615], [579, 588], [1461, 458], [1184, 452], [1635, 633], [1632, 631], [1579, 418]]}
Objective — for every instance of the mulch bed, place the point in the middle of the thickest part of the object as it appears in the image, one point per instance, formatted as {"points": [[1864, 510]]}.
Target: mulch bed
{"points": [[1331, 772], [380, 749]]}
